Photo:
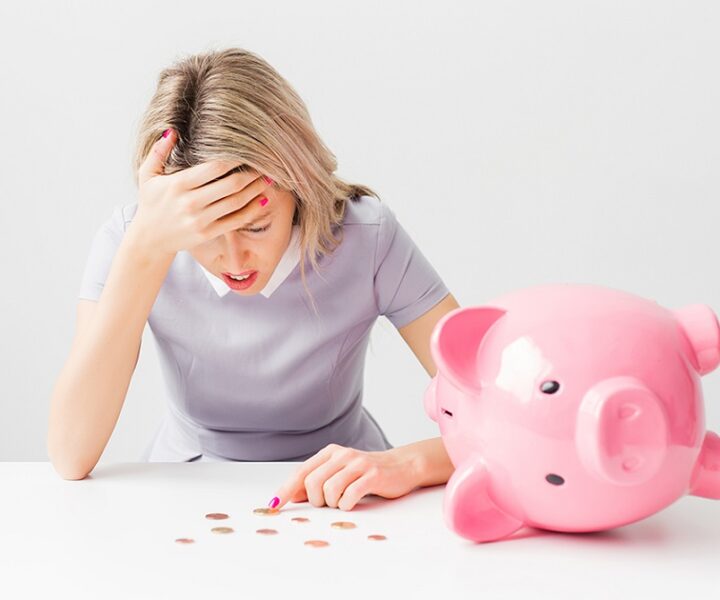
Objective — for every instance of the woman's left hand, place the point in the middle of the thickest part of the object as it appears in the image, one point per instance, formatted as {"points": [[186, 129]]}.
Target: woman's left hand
{"points": [[339, 477]]}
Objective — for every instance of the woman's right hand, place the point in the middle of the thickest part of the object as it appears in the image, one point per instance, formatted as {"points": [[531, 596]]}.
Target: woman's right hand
{"points": [[178, 211]]}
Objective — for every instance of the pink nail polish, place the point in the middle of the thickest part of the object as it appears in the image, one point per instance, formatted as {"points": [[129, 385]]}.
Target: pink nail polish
{"points": [[267, 179], [274, 502], [166, 133], [263, 201]]}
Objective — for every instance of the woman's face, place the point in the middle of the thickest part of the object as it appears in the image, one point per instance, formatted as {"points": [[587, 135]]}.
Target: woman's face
{"points": [[257, 247]]}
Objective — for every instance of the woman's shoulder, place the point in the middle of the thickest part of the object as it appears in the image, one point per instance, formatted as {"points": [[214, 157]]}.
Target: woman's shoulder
{"points": [[366, 210], [120, 217]]}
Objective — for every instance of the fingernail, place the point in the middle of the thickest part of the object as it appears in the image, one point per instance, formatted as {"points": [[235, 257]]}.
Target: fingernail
{"points": [[274, 502], [166, 133], [267, 179], [263, 201]]}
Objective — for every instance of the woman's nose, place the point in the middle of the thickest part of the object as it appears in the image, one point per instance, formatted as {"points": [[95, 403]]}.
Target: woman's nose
{"points": [[237, 253]]}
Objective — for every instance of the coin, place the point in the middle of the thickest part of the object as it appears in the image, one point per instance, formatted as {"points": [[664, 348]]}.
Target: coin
{"points": [[300, 520], [377, 537], [266, 531], [185, 541], [266, 511], [222, 530], [343, 525], [216, 516], [317, 543]]}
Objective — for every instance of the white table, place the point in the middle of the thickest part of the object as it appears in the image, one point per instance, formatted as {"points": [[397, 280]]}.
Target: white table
{"points": [[113, 535]]}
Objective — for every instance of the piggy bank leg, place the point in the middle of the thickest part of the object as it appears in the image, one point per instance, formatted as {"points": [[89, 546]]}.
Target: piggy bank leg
{"points": [[469, 508], [705, 481]]}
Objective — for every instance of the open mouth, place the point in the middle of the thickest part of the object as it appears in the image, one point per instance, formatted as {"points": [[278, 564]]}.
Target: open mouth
{"points": [[242, 281]]}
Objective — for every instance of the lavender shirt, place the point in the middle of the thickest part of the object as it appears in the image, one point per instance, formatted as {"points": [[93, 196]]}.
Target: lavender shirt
{"points": [[262, 377]]}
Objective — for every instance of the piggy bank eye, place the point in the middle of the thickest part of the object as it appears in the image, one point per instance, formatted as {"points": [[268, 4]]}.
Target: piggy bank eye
{"points": [[549, 387]]}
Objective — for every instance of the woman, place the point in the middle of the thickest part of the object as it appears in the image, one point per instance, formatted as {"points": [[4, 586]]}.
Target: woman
{"points": [[263, 358]]}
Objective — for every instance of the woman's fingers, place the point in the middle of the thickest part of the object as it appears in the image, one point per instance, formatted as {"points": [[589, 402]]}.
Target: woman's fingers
{"points": [[154, 163], [359, 488], [325, 485], [335, 487], [206, 195], [336, 476], [199, 175], [296, 483], [225, 213]]}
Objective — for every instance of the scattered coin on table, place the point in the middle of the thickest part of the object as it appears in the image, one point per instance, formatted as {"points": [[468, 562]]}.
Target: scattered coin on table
{"points": [[216, 516], [317, 543], [222, 530], [266, 511]]}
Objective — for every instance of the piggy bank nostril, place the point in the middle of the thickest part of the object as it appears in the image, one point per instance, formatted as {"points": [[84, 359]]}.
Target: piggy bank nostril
{"points": [[549, 387], [554, 479]]}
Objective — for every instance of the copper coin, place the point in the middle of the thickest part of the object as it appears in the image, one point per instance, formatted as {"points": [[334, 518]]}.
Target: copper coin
{"points": [[216, 516], [377, 537], [343, 525], [300, 520], [266, 531], [317, 543], [222, 530], [185, 541], [266, 511]]}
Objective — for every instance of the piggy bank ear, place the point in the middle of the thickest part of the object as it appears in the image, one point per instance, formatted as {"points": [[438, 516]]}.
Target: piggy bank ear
{"points": [[622, 431], [469, 508], [455, 341], [700, 325]]}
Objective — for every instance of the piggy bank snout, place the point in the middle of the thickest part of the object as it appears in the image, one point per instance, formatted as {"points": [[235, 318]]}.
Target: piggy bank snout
{"points": [[622, 431]]}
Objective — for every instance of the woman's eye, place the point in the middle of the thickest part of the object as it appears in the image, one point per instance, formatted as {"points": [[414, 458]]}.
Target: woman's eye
{"points": [[257, 229]]}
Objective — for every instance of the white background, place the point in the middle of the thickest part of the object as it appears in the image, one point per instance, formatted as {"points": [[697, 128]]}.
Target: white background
{"points": [[518, 142]]}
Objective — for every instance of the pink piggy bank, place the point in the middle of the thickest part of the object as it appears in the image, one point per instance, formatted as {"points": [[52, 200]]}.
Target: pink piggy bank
{"points": [[572, 408]]}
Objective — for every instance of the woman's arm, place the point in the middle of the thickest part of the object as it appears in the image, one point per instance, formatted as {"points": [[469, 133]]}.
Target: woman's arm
{"points": [[90, 390], [339, 477], [417, 333], [433, 465]]}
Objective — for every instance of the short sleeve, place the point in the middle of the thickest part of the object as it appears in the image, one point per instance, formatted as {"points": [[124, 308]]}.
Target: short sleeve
{"points": [[406, 284], [102, 250]]}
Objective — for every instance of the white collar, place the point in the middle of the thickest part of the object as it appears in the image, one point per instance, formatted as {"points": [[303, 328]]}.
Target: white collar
{"points": [[285, 266]]}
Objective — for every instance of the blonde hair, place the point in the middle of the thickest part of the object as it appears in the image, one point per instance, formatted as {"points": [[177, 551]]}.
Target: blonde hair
{"points": [[231, 104]]}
